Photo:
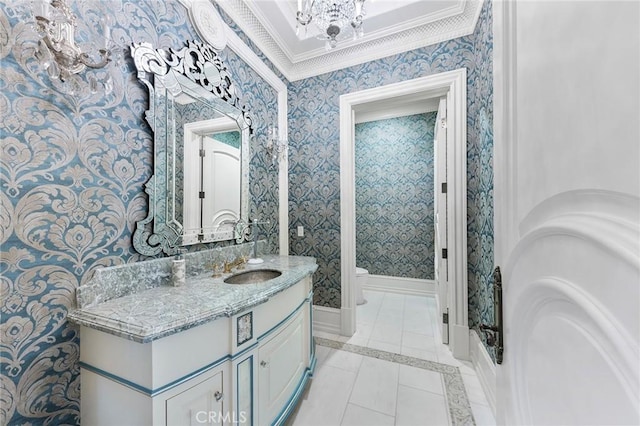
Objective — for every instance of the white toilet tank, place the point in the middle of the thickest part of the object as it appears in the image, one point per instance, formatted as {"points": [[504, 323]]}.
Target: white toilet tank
{"points": [[362, 275]]}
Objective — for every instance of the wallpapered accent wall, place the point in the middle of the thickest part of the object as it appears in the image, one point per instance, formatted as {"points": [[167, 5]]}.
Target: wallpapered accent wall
{"points": [[480, 175], [72, 174], [230, 138], [314, 156], [394, 196]]}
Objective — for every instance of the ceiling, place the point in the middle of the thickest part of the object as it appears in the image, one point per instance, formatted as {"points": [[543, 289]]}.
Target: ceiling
{"points": [[390, 27]]}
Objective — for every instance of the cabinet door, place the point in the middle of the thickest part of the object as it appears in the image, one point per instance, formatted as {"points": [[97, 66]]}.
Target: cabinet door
{"points": [[283, 360], [198, 405]]}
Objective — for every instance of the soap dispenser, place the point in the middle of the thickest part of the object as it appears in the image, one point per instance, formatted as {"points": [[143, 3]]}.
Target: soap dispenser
{"points": [[179, 269]]}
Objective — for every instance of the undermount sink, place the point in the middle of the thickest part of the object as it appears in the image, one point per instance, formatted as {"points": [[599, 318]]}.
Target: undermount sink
{"points": [[253, 277]]}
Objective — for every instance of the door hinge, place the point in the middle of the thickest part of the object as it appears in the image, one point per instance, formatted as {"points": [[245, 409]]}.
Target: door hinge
{"points": [[202, 153], [444, 187], [443, 123], [445, 317], [444, 253], [201, 194]]}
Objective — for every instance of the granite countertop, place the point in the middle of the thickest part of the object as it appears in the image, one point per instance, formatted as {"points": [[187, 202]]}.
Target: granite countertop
{"points": [[158, 312]]}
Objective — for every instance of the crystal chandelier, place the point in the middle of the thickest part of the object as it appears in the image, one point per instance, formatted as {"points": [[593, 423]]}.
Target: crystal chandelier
{"points": [[331, 16], [57, 49]]}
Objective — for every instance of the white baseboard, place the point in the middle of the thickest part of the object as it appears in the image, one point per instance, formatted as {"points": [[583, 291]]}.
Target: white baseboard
{"points": [[459, 340], [401, 285], [348, 325], [327, 319], [485, 368]]}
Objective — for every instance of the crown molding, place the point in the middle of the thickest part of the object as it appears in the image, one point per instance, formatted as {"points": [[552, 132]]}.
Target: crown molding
{"points": [[446, 26]]}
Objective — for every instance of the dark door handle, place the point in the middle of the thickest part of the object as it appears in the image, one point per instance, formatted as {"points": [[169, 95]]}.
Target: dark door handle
{"points": [[494, 332]]}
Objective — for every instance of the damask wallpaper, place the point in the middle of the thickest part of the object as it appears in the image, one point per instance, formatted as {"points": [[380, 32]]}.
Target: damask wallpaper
{"points": [[229, 138], [394, 196], [314, 156], [72, 173], [480, 175]]}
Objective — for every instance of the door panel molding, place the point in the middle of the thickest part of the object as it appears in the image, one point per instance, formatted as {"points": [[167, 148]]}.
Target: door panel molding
{"points": [[571, 311], [599, 332]]}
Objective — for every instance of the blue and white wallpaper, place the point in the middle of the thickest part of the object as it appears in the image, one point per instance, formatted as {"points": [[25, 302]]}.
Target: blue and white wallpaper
{"points": [[314, 156], [394, 196], [72, 170], [230, 138]]}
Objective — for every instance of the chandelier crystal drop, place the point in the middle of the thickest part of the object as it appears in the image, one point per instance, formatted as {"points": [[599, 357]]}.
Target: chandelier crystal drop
{"points": [[331, 17]]}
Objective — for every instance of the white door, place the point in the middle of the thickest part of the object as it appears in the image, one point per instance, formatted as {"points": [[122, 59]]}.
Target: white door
{"points": [[567, 198], [220, 183], [440, 216], [191, 186]]}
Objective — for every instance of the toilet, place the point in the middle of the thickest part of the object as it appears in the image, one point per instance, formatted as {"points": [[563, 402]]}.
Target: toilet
{"points": [[362, 275]]}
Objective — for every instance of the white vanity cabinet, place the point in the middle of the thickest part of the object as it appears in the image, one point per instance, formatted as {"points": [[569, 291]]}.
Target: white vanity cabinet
{"points": [[247, 369], [282, 360], [281, 355], [180, 379], [201, 403]]}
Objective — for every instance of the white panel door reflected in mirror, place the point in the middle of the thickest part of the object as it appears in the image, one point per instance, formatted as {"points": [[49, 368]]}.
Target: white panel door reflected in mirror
{"points": [[220, 180], [212, 178]]}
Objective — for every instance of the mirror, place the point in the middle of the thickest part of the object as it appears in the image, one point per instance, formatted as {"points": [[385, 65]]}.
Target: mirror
{"points": [[199, 189]]}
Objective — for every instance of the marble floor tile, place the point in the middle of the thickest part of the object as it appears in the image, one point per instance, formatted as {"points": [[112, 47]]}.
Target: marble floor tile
{"points": [[360, 416], [391, 316], [368, 313], [363, 332], [326, 398], [418, 341], [418, 353], [388, 333], [418, 407], [343, 360], [418, 323], [459, 408], [376, 386], [393, 370], [422, 379], [384, 346]]}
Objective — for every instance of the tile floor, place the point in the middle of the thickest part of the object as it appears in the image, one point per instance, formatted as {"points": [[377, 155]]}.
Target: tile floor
{"points": [[353, 389]]}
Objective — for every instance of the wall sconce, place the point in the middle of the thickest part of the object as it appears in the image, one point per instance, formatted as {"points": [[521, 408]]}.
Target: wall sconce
{"points": [[276, 147], [57, 50]]}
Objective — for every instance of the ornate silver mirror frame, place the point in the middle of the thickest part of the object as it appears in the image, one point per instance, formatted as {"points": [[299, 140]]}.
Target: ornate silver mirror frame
{"points": [[196, 73]]}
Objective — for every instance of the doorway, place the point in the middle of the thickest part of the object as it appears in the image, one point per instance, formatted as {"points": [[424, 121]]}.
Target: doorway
{"points": [[452, 86]]}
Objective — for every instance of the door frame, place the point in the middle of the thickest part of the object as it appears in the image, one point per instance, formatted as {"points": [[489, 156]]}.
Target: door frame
{"points": [[504, 129], [453, 84], [440, 204]]}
